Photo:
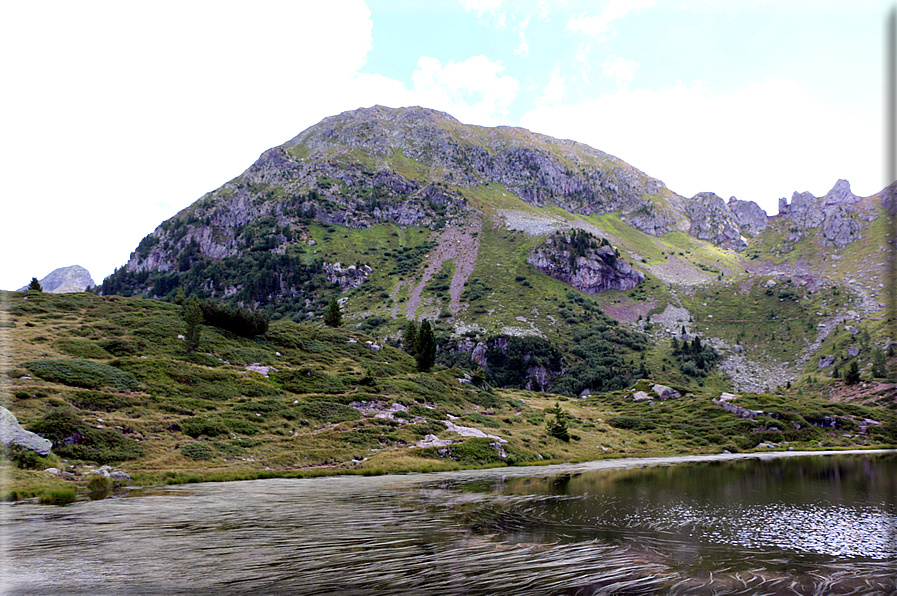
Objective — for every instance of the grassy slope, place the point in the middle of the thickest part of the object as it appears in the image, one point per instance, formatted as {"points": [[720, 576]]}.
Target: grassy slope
{"points": [[294, 422]]}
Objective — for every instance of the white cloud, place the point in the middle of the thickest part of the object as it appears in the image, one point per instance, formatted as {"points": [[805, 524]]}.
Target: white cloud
{"points": [[598, 26], [473, 91], [555, 89], [622, 71], [522, 48], [486, 8], [728, 143]]}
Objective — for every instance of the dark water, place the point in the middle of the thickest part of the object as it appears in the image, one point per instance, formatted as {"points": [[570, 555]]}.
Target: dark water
{"points": [[820, 524]]}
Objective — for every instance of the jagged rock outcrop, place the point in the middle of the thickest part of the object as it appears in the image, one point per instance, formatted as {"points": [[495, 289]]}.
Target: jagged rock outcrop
{"points": [[590, 268], [12, 433], [712, 220], [347, 277], [838, 216], [74, 278], [751, 218]]}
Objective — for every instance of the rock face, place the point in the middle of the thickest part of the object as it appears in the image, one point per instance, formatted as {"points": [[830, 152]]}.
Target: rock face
{"points": [[12, 433], [838, 217], [590, 268], [66, 279], [712, 220], [751, 218]]}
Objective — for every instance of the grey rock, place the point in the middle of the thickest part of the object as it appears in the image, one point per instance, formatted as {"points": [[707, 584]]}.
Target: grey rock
{"points": [[640, 396], [737, 410], [664, 392], [74, 278], [119, 475], [751, 218], [853, 351], [712, 220], [12, 433], [598, 270], [826, 362]]}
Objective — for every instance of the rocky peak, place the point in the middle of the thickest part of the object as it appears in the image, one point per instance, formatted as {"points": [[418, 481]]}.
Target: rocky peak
{"points": [[712, 220], [74, 278], [751, 218], [838, 215]]}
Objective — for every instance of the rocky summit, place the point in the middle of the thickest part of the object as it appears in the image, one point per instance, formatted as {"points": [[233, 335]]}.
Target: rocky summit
{"points": [[410, 214], [74, 278]]}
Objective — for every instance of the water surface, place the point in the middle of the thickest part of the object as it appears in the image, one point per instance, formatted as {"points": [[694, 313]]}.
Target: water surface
{"points": [[817, 524]]}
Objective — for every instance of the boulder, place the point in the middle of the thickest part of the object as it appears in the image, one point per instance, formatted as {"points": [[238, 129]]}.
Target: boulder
{"points": [[826, 362], [664, 392], [640, 396], [12, 433]]}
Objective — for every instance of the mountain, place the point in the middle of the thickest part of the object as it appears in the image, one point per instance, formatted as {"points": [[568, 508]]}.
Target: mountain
{"points": [[501, 233], [65, 279]]}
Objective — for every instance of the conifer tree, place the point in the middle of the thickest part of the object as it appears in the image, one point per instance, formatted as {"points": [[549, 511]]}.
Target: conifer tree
{"points": [[426, 347], [409, 337], [333, 317], [35, 285], [558, 426], [192, 313]]}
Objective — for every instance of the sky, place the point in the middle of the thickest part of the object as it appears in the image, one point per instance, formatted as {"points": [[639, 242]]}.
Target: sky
{"points": [[117, 115]]}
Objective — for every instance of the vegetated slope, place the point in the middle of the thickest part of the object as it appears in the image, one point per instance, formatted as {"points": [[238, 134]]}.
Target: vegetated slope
{"points": [[410, 213], [110, 381]]}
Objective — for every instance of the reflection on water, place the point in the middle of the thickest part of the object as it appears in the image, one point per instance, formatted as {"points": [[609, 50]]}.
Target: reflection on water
{"points": [[791, 525]]}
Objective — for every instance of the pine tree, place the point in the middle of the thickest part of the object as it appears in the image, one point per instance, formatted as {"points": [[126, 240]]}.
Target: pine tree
{"points": [[192, 313], [333, 317], [426, 347], [852, 376], [409, 337], [35, 285], [558, 426]]}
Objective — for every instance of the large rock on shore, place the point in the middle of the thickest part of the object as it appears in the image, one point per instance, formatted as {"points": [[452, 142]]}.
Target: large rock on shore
{"points": [[12, 433]]}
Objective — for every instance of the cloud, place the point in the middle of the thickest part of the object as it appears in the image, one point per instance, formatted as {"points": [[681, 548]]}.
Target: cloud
{"points": [[486, 8], [621, 70], [522, 48], [598, 26], [729, 143], [555, 89], [473, 91]]}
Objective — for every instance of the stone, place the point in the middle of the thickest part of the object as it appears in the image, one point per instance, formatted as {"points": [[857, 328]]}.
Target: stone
{"points": [[751, 218], [712, 220], [826, 362], [598, 270], [664, 392], [640, 396], [119, 475], [12, 433], [54, 471], [853, 351]]}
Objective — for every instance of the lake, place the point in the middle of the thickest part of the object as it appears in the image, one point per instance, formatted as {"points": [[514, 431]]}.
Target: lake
{"points": [[783, 523]]}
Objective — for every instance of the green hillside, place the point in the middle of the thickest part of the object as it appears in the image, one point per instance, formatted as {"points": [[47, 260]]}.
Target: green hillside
{"points": [[110, 381]]}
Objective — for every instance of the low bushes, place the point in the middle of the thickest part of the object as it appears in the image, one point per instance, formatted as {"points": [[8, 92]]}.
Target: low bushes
{"points": [[82, 373]]}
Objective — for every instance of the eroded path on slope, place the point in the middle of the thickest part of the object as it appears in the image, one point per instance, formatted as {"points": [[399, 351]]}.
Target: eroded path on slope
{"points": [[459, 245]]}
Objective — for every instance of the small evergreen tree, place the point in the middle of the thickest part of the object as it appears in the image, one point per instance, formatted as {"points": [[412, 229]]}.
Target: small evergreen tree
{"points": [[557, 427], [852, 376], [35, 285], [333, 317], [879, 365], [409, 337], [192, 313], [426, 347]]}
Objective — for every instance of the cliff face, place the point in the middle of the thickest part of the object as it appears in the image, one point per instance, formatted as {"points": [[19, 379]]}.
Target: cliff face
{"points": [[588, 267], [838, 218], [712, 220]]}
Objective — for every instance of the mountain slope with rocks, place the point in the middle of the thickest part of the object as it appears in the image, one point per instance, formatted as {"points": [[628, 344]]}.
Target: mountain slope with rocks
{"points": [[409, 214]]}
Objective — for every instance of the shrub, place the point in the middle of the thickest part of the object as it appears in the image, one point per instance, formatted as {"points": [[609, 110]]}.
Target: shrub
{"points": [[97, 402], [82, 373], [196, 451], [57, 496], [329, 412], [198, 426], [25, 459], [630, 422], [476, 450]]}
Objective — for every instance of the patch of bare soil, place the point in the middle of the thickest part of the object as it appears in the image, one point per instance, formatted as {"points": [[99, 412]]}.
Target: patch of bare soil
{"points": [[677, 271], [460, 245], [628, 310]]}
